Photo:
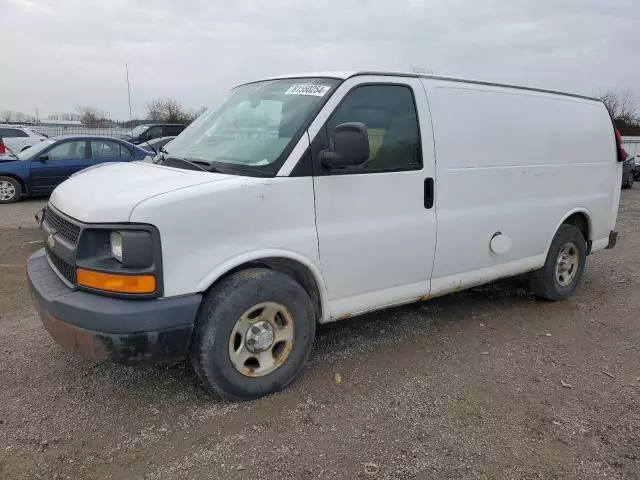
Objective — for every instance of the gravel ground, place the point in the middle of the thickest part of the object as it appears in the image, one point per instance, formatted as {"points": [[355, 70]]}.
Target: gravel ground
{"points": [[487, 383]]}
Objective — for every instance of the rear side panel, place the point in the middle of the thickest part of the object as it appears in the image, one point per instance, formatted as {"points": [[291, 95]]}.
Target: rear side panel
{"points": [[515, 162]]}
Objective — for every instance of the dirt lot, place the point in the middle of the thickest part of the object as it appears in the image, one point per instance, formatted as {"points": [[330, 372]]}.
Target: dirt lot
{"points": [[489, 383]]}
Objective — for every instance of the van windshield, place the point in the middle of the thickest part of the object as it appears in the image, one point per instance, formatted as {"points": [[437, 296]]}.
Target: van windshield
{"points": [[250, 131]]}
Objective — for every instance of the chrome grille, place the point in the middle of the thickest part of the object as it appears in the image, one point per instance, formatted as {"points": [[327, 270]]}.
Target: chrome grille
{"points": [[62, 226], [66, 270]]}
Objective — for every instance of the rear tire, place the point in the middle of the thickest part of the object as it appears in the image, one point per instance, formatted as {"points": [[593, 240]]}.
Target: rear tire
{"points": [[253, 334], [629, 182], [564, 266], [10, 190]]}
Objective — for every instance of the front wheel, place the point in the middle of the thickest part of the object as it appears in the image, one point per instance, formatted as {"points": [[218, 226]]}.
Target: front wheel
{"points": [[629, 182], [10, 190], [564, 265], [253, 334]]}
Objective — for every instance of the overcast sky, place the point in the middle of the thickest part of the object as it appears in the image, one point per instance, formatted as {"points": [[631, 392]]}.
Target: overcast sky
{"points": [[58, 55]]}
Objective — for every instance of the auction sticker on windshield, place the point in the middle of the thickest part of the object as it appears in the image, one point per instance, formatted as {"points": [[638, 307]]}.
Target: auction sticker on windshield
{"points": [[315, 90]]}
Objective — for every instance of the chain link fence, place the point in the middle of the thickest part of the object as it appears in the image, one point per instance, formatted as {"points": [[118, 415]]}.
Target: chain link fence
{"points": [[57, 131]]}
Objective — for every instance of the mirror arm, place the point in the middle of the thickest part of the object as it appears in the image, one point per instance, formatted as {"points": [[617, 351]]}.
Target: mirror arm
{"points": [[329, 158]]}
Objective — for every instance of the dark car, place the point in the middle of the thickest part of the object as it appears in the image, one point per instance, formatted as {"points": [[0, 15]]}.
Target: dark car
{"points": [[628, 173], [635, 164], [144, 133], [156, 144], [41, 168]]}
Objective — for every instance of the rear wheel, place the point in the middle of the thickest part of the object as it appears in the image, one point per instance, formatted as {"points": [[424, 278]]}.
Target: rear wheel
{"points": [[253, 334], [564, 266], [10, 190]]}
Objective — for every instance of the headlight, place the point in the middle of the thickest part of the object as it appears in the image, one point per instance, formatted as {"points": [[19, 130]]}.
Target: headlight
{"points": [[116, 245], [123, 259]]}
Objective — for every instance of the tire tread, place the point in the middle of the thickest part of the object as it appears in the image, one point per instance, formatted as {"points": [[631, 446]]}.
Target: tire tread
{"points": [[543, 280], [207, 327], [18, 187]]}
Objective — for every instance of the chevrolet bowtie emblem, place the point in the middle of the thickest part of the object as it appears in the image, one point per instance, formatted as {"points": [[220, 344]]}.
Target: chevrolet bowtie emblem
{"points": [[51, 241]]}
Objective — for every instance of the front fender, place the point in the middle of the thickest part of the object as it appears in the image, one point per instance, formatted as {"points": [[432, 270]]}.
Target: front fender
{"points": [[254, 256]]}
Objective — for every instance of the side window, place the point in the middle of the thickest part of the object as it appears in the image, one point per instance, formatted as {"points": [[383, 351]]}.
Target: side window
{"points": [[101, 149], [173, 130], [125, 153], [11, 133], [389, 113], [154, 132], [68, 150]]}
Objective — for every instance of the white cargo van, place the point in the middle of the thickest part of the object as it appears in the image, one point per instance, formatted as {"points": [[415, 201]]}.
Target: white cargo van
{"points": [[313, 198]]}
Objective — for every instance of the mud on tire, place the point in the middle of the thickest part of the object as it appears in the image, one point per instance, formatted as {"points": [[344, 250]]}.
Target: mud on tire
{"points": [[564, 266], [241, 300]]}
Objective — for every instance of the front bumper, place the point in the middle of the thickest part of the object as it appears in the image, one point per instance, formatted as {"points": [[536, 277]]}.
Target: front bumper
{"points": [[125, 331]]}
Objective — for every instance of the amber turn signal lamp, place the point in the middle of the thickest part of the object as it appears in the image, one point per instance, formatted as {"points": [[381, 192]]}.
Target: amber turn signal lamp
{"points": [[109, 282]]}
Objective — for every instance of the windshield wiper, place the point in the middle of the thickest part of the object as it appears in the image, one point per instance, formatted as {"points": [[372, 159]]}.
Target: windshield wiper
{"points": [[155, 152], [162, 159], [206, 165]]}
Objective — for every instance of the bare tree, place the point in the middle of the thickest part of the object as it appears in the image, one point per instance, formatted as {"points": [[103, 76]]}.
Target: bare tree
{"points": [[169, 110], [69, 116], [90, 116], [621, 106], [197, 113], [6, 116], [623, 111], [22, 117]]}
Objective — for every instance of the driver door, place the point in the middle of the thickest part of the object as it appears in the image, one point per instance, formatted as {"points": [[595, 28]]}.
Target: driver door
{"points": [[376, 229]]}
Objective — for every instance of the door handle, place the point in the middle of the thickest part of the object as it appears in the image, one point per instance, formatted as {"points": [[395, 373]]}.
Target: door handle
{"points": [[428, 193]]}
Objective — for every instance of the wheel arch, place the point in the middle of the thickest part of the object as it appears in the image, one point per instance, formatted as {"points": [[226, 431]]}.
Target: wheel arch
{"points": [[579, 217], [292, 264], [18, 179]]}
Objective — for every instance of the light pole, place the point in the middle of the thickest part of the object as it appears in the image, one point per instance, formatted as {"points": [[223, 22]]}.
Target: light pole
{"points": [[126, 66]]}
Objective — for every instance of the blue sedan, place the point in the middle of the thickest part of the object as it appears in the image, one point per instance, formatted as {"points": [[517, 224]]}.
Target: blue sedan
{"points": [[41, 168]]}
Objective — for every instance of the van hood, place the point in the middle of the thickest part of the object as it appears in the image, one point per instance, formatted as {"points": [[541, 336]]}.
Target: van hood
{"points": [[109, 192]]}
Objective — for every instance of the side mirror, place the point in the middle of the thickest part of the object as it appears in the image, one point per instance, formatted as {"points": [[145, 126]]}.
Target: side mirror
{"points": [[350, 146], [43, 158]]}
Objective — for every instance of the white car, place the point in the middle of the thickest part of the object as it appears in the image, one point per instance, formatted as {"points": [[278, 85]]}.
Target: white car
{"points": [[312, 199], [16, 139]]}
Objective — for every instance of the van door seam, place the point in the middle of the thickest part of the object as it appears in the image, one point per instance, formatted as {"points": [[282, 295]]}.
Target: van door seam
{"points": [[315, 214], [435, 181]]}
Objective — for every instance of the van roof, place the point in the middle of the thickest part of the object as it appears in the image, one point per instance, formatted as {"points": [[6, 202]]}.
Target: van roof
{"points": [[343, 75]]}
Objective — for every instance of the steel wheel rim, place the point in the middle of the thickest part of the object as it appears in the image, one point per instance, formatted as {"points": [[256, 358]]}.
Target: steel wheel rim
{"points": [[7, 190], [567, 264], [261, 339]]}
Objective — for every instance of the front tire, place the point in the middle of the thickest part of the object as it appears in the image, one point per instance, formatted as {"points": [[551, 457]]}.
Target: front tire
{"points": [[10, 190], [629, 182], [253, 334], [564, 266]]}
